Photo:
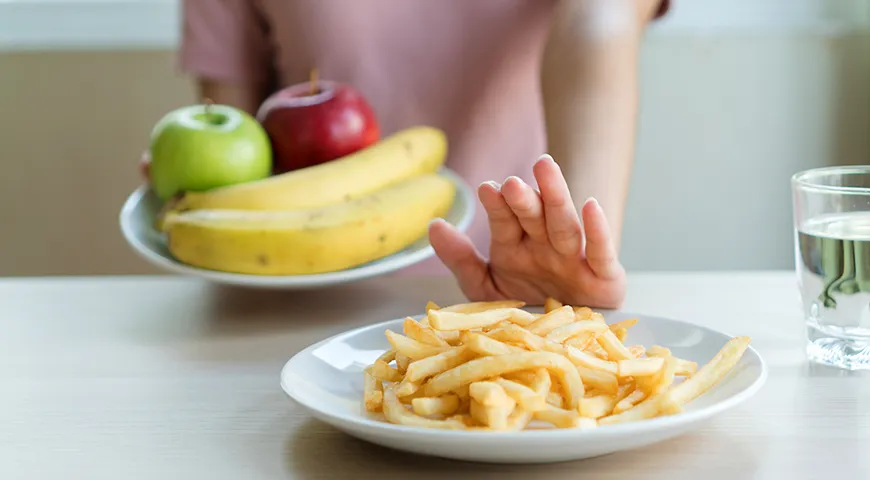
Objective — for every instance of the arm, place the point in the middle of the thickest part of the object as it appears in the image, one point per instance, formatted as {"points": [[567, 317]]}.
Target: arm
{"points": [[589, 82], [225, 46]]}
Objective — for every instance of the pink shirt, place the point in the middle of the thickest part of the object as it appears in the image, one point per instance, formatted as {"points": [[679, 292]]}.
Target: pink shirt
{"points": [[469, 67]]}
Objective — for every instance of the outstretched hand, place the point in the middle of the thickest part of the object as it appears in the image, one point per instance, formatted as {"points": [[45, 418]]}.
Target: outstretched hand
{"points": [[539, 247]]}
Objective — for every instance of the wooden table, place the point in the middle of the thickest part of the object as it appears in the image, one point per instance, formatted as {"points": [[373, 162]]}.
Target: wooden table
{"points": [[164, 378]]}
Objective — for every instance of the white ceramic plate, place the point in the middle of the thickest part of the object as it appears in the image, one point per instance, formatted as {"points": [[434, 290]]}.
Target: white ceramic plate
{"points": [[326, 379], [139, 211]]}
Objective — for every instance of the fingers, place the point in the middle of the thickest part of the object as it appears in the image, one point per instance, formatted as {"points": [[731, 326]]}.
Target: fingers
{"points": [[526, 205], [455, 249], [562, 222], [503, 224], [600, 251]]}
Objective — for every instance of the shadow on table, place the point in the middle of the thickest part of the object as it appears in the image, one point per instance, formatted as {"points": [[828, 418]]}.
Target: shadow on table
{"points": [[316, 451], [236, 308], [817, 370], [235, 324]]}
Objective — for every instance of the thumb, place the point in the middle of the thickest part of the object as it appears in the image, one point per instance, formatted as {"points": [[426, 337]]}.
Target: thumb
{"points": [[458, 253]]}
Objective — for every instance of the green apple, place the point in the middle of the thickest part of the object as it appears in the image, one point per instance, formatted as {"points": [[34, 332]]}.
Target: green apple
{"points": [[201, 147]]}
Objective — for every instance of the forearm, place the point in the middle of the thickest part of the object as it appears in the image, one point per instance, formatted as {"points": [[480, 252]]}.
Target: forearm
{"points": [[589, 83]]}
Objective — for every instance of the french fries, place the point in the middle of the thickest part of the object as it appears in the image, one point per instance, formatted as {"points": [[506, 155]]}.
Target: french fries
{"points": [[493, 366]]}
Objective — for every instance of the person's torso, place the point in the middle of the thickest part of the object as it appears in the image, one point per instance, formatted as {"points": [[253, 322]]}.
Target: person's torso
{"points": [[470, 68]]}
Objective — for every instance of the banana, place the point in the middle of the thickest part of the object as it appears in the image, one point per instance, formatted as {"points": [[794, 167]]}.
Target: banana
{"points": [[310, 241], [405, 154]]}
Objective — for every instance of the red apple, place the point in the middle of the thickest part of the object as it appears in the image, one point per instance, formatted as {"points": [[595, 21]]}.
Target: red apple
{"points": [[315, 122]]}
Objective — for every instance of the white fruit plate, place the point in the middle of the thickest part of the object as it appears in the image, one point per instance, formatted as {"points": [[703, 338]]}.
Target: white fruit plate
{"points": [[326, 379], [142, 206]]}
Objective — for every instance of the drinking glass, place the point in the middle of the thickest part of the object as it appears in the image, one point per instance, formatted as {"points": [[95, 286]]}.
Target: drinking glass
{"points": [[832, 257]]}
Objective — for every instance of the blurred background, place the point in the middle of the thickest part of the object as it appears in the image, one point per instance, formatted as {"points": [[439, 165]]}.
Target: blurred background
{"points": [[736, 96]]}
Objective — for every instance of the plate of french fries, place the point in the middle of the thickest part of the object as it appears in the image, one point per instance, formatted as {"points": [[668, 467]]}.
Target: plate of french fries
{"points": [[503, 383]]}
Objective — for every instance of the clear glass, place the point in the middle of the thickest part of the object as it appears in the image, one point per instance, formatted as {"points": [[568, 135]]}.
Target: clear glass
{"points": [[832, 257]]}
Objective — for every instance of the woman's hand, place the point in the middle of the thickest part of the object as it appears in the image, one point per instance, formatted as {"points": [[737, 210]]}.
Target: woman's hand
{"points": [[145, 166], [539, 247]]}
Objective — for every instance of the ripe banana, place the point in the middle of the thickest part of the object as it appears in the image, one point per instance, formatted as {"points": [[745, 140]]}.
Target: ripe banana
{"points": [[310, 241], [405, 154]]}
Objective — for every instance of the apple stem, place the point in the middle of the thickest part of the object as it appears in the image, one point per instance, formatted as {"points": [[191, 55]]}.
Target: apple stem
{"points": [[208, 104], [313, 79]]}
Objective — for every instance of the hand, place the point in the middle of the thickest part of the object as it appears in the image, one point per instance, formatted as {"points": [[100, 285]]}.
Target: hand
{"points": [[539, 248], [145, 166]]}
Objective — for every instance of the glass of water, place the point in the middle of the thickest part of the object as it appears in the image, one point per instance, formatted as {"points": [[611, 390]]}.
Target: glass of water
{"points": [[832, 256]]}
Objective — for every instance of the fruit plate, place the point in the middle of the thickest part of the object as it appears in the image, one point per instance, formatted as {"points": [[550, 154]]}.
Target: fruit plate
{"points": [[141, 208], [326, 379]]}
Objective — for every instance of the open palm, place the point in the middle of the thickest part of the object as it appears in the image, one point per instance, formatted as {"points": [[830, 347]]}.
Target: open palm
{"points": [[539, 246]]}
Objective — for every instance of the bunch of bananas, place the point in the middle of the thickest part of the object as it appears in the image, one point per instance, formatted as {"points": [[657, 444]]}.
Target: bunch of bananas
{"points": [[325, 218]]}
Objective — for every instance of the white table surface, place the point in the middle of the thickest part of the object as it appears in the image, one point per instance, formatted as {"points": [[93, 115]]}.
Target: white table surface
{"points": [[165, 378]]}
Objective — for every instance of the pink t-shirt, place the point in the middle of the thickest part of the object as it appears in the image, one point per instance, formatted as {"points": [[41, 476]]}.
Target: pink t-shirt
{"points": [[469, 67]]}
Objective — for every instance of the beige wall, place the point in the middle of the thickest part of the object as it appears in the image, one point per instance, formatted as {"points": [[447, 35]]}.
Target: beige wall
{"points": [[72, 128], [725, 120]]}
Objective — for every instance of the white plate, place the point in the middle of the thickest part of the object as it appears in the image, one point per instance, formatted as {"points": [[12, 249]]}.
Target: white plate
{"points": [[137, 224], [326, 379]]}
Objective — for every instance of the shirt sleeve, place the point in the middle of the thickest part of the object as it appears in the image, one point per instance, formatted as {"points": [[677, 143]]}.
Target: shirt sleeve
{"points": [[225, 40]]}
